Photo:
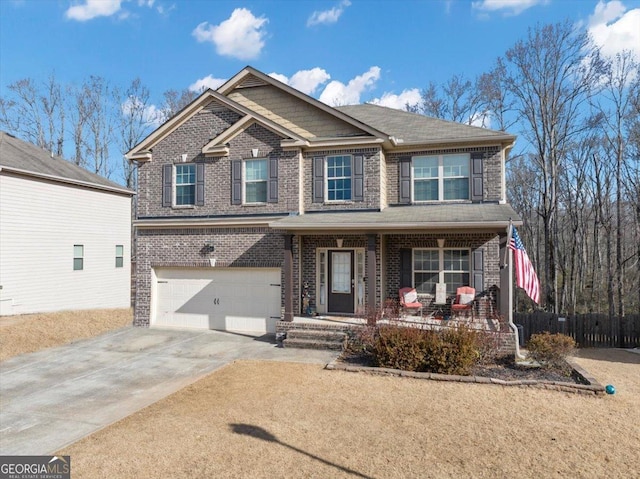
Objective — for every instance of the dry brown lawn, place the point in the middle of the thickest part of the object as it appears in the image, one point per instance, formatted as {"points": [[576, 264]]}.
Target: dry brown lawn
{"points": [[33, 332], [268, 419]]}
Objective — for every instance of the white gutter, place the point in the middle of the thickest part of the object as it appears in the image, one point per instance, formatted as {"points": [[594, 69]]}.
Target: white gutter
{"points": [[202, 222], [389, 226]]}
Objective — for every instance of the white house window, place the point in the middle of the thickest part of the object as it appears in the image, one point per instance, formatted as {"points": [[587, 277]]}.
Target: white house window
{"points": [[78, 257], [438, 265], [441, 177], [185, 184], [255, 181], [119, 256], [339, 178]]}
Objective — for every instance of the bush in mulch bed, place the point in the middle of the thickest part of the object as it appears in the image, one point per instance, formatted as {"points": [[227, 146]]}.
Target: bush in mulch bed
{"points": [[459, 351]]}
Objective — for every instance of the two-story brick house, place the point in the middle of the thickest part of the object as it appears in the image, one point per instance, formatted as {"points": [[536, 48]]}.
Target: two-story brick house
{"points": [[255, 194]]}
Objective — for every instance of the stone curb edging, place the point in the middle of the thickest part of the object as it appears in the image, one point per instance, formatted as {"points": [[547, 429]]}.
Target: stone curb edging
{"points": [[592, 387]]}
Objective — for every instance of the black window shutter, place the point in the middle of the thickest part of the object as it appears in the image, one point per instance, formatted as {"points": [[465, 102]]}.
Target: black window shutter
{"points": [[477, 190], [199, 184], [167, 180], [236, 182], [318, 179], [406, 268], [405, 179], [358, 178], [272, 181], [477, 281]]}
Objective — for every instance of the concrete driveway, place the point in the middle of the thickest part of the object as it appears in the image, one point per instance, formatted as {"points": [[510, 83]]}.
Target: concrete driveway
{"points": [[52, 398]]}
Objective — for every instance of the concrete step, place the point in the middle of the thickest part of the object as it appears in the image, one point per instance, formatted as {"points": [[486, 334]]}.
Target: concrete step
{"points": [[317, 335], [312, 344]]}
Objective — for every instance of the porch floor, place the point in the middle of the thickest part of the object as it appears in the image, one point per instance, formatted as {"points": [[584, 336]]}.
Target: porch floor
{"points": [[430, 322]]}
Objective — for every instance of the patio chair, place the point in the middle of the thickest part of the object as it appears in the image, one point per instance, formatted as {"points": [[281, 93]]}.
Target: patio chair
{"points": [[463, 302], [409, 299]]}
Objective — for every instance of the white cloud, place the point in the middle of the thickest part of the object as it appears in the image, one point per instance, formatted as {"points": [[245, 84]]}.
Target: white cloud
{"points": [[206, 82], [399, 102], [150, 114], [509, 7], [337, 93], [307, 81], [240, 36], [92, 9], [327, 17], [281, 78], [615, 29]]}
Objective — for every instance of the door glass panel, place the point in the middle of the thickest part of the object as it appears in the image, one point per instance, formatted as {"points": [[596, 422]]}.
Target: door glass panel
{"points": [[341, 273]]}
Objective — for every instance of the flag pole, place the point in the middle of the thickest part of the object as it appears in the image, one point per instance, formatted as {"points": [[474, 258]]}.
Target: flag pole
{"points": [[507, 264]]}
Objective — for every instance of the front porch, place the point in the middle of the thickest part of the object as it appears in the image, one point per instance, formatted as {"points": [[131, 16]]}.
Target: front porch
{"points": [[332, 332]]}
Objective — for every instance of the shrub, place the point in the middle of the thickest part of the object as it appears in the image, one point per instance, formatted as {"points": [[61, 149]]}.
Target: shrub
{"points": [[453, 351], [550, 350], [400, 347]]}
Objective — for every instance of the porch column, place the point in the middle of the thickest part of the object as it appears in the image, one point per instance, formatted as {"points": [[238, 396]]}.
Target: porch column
{"points": [[505, 300], [288, 278], [371, 272]]}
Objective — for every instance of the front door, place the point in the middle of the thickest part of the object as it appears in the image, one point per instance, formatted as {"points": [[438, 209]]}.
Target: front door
{"points": [[341, 282]]}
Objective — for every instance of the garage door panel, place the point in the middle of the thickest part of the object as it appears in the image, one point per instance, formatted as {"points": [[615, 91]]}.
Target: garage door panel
{"points": [[232, 299]]}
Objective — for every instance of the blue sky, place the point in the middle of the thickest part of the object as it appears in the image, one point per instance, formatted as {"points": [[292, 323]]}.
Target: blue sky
{"points": [[344, 51]]}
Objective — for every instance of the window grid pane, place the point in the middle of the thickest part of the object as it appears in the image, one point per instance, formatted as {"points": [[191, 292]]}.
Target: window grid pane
{"points": [[119, 256], [339, 178], [427, 273], [185, 184], [78, 257], [441, 178]]}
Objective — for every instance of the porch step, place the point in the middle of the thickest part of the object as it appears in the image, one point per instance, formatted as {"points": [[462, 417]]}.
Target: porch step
{"points": [[310, 339]]}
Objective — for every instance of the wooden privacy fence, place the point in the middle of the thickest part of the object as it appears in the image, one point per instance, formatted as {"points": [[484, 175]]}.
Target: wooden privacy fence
{"points": [[588, 330]]}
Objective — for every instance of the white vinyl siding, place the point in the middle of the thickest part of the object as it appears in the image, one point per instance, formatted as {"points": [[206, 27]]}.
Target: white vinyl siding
{"points": [[40, 223]]}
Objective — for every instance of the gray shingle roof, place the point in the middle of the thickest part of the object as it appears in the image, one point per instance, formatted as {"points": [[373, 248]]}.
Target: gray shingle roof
{"points": [[414, 128], [16, 154], [488, 216]]}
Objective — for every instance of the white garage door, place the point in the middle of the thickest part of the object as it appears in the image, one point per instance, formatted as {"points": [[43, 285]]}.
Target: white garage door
{"points": [[226, 299]]}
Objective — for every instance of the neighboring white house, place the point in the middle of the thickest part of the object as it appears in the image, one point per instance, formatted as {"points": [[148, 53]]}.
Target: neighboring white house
{"points": [[65, 234]]}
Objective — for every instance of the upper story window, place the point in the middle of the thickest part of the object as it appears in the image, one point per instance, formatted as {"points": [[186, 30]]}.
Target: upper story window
{"points": [[185, 185], [339, 178], [441, 177], [439, 265], [255, 181]]}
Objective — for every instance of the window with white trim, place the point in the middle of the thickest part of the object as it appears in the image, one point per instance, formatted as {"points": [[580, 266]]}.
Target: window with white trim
{"points": [[440, 177], [119, 256], [338, 178], [78, 257], [184, 191], [255, 181], [438, 265]]}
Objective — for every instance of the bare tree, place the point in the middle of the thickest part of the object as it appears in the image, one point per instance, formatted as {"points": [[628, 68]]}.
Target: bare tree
{"points": [[614, 106], [137, 116], [99, 104], [551, 76], [174, 101], [35, 112], [457, 100]]}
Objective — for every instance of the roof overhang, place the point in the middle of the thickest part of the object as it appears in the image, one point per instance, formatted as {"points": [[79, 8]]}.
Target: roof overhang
{"points": [[476, 217], [68, 181]]}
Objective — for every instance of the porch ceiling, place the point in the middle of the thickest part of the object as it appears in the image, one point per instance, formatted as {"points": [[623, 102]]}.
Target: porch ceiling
{"points": [[476, 216]]}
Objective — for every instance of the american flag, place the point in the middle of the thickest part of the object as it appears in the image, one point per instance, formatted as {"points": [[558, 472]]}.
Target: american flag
{"points": [[526, 277]]}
